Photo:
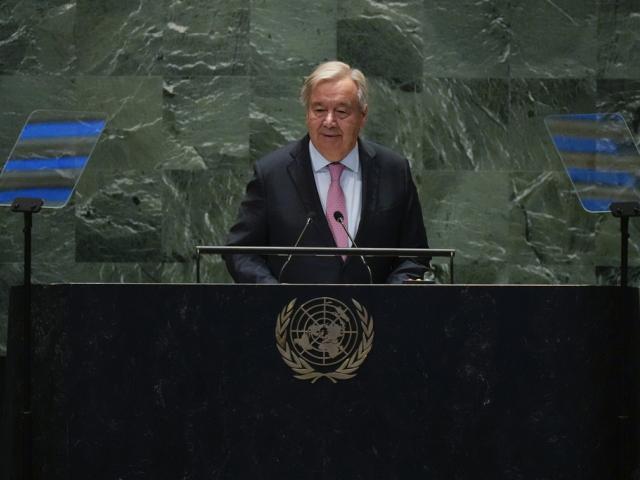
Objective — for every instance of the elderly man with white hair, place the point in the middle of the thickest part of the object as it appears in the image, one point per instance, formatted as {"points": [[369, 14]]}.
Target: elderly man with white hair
{"points": [[331, 176]]}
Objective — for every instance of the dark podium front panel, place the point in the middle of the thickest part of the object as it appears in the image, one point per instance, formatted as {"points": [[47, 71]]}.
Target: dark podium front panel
{"points": [[437, 382]]}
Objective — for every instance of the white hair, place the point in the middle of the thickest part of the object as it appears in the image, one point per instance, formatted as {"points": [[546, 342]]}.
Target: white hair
{"points": [[334, 70]]}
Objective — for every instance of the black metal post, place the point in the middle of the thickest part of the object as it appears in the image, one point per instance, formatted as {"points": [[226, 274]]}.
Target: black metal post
{"points": [[624, 210], [26, 402], [451, 280], [27, 206], [624, 250], [197, 266]]}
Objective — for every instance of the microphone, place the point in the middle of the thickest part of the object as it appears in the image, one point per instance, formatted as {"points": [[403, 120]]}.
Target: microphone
{"points": [[339, 217], [310, 217]]}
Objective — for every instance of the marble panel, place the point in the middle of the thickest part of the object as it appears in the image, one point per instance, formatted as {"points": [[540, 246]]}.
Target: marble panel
{"points": [[52, 236], [544, 274], [10, 125], [11, 236], [133, 137], [550, 229], [14, 39], [206, 37], [466, 124], [553, 39], [276, 115], [621, 95], [112, 272], [36, 38], [512, 227], [469, 211], [212, 270], [116, 272], [395, 119], [121, 220], [384, 39], [199, 208], [22, 94], [289, 37], [119, 38], [153, 272], [619, 39], [466, 38], [52, 232], [607, 243], [530, 101], [206, 121], [481, 272]]}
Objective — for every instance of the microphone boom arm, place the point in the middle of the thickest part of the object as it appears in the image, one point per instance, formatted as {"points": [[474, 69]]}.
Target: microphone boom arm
{"points": [[340, 219]]}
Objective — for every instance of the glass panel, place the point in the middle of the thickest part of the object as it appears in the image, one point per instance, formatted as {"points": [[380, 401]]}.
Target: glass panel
{"points": [[600, 156], [50, 155]]}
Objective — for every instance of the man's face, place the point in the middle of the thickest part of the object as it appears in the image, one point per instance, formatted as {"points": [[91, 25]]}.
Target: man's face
{"points": [[334, 118]]}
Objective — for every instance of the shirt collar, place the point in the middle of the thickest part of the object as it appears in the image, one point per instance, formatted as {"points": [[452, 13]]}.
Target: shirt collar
{"points": [[318, 162]]}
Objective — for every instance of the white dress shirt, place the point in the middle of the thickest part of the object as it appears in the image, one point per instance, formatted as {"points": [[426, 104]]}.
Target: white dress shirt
{"points": [[350, 181]]}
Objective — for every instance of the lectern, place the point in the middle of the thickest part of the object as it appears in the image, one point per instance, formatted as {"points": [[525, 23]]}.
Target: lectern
{"points": [[324, 382]]}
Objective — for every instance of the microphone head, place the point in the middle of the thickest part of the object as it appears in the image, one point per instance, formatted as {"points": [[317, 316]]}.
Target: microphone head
{"points": [[338, 216], [311, 216]]}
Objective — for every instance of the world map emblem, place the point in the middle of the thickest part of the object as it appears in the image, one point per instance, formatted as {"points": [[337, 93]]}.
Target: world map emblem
{"points": [[324, 337]]}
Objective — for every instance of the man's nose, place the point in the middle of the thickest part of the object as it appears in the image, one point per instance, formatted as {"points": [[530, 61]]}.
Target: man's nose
{"points": [[330, 119]]}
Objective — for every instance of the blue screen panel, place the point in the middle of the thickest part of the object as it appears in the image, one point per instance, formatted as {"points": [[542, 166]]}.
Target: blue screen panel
{"points": [[585, 145], [52, 151], [89, 128], [600, 156], [596, 177], [63, 163]]}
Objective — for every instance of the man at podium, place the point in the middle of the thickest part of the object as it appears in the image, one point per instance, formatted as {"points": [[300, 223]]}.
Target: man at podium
{"points": [[331, 188]]}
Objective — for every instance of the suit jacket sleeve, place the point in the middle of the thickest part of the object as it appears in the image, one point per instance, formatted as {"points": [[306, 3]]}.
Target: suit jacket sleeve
{"points": [[251, 229], [412, 235]]}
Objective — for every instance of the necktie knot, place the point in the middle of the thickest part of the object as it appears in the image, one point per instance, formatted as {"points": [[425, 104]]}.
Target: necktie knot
{"points": [[335, 170]]}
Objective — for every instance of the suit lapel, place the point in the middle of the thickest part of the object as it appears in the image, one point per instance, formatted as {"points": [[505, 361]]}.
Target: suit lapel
{"points": [[301, 174]]}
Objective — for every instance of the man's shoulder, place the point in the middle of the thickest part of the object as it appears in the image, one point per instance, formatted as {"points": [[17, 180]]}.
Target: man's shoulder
{"points": [[384, 155], [280, 157]]}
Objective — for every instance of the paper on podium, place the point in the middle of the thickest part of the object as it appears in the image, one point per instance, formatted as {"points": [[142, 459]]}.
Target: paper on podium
{"points": [[50, 155], [600, 157]]}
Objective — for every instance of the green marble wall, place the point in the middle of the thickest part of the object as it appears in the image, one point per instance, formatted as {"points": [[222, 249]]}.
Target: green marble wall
{"points": [[196, 90]]}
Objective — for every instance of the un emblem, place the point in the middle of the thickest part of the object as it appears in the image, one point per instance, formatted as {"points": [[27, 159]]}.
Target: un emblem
{"points": [[324, 338]]}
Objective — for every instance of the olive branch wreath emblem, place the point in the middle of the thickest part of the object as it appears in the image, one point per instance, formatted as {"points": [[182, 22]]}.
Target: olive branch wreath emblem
{"points": [[303, 369]]}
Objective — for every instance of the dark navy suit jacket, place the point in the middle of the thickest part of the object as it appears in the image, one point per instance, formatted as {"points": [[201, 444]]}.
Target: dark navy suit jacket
{"points": [[281, 196]]}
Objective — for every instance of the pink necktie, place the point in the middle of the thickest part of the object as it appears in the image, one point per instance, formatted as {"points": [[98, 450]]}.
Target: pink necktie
{"points": [[336, 202]]}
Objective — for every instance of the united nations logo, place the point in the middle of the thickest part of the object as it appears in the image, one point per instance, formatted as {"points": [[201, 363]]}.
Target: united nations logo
{"points": [[324, 338]]}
